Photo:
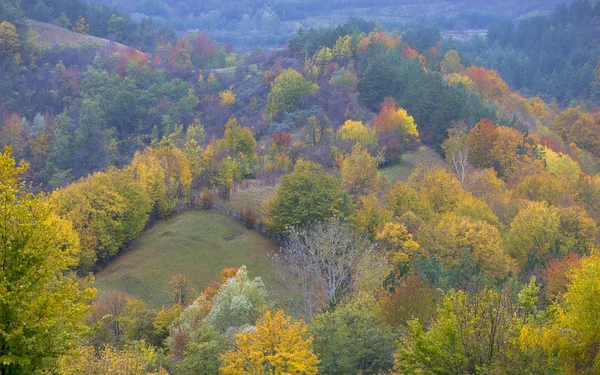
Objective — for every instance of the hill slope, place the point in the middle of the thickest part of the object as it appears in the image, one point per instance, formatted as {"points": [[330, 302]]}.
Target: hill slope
{"points": [[47, 35], [197, 244]]}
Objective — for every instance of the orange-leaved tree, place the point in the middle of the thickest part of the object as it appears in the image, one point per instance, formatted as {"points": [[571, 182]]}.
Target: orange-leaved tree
{"points": [[395, 128]]}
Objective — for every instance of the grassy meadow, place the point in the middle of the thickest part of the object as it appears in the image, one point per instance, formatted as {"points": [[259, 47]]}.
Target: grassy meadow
{"points": [[197, 244], [401, 171]]}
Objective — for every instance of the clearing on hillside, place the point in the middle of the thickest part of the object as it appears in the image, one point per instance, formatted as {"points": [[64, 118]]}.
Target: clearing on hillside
{"points": [[48, 35], [410, 160], [198, 244]]}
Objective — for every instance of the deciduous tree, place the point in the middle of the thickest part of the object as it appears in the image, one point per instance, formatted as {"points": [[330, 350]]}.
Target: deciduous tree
{"points": [[469, 336], [277, 346], [357, 132], [240, 301], [395, 129], [42, 304], [287, 90], [352, 339], [359, 172], [325, 256], [9, 39], [573, 333], [533, 232], [455, 240], [451, 63], [308, 195]]}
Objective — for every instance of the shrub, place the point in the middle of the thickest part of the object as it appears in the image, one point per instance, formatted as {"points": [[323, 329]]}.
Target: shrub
{"points": [[249, 216]]}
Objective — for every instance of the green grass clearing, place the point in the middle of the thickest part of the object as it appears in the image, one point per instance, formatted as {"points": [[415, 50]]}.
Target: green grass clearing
{"points": [[396, 172], [198, 244]]}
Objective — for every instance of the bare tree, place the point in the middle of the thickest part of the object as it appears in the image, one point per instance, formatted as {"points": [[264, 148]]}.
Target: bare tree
{"points": [[323, 258], [457, 155], [457, 151]]}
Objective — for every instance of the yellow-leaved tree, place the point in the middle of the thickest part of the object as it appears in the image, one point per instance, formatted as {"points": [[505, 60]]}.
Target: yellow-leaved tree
{"points": [[357, 132], [573, 334], [277, 346], [42, 304], [9, 39], [81, 26], [359, 172], [227, 97]]}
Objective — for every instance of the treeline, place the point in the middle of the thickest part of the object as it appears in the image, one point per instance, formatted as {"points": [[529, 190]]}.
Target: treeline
{"points": [[109, 209], [555, 56]]}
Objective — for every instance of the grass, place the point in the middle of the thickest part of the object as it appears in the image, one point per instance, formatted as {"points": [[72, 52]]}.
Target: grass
{"points": [[197, 244], [252, 197], [48, 35], [409, 161], [229, 73]]}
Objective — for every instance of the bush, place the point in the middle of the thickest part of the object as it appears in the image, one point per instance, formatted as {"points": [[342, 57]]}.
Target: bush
{"points": [[249, 216], [206, 199]]}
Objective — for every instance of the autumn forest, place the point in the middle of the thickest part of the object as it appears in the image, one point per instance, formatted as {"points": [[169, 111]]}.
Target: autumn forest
{"points": [[297, 187]]}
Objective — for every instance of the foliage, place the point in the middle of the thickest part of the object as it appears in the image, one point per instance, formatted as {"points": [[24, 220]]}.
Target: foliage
{"points": [[227, 98], [137, 358], [238, 143], [120, 319], [455, 240], [562, 166], [556, 275], [578, 127], [552, 55], [238, 304], [572, 333], [277, 346], [451, 63], [409, 298], [107, 210], [469, 336], [180, 289], [193, 345], [395, 129], [541, 187], [9, 39], [358, 133], [308, 195], [287, 90], [441, 189], [43, 304], [533, 232], [430, 101], [81, 26], [359, 172], [352, 339]]}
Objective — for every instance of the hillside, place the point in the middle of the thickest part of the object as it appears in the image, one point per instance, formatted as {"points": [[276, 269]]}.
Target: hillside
{"points": [[48, 35], [269, 23], [198, 244], [433, 202], [398, 12]]}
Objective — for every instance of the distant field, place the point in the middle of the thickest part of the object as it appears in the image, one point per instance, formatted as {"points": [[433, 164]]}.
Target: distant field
{"points": [[229, 73], [48, 35], [196, 243], [409, 161]]}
